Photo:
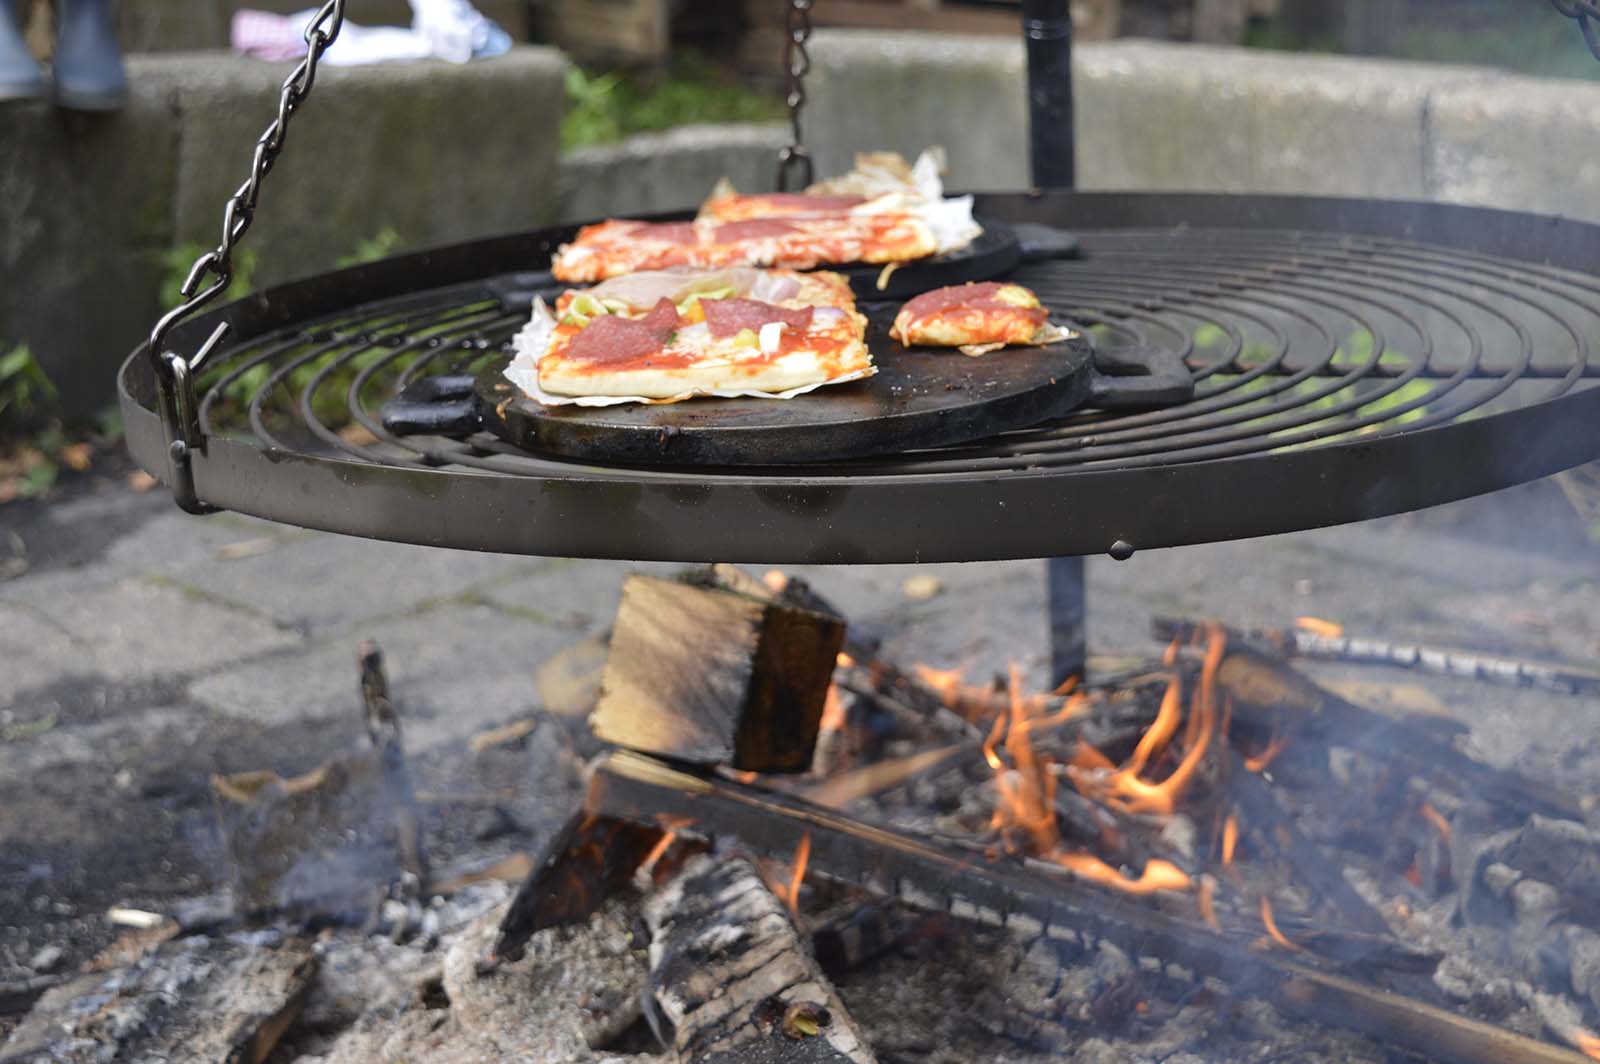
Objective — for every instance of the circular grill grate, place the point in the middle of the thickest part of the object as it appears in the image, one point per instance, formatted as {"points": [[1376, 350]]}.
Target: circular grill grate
{"points": [[1301, 342], [1295, 340]]}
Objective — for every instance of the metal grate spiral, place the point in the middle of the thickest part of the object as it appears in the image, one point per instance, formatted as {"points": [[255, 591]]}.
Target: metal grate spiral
{"points": [[1342, 372]]}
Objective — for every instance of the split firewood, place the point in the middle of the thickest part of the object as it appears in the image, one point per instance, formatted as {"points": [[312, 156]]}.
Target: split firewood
{"points": [[710, 676], [729, 970], [195, 1000]]}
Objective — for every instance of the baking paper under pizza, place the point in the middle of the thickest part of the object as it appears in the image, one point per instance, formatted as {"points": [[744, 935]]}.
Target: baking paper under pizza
{"points": [[663, 336]]}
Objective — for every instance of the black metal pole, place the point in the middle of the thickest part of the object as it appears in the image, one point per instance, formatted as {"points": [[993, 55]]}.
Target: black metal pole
{"points": [[1047, 34]]}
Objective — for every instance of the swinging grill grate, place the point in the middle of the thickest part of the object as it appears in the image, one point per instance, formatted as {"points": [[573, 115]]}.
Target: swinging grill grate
{"points": [[1342, 373]]}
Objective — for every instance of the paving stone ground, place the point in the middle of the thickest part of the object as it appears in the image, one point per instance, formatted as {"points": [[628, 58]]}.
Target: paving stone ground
{"points": [[143, 649]]}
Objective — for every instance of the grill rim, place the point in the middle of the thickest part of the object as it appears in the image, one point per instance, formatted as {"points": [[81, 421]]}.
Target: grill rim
{"points": [[946, 515]]}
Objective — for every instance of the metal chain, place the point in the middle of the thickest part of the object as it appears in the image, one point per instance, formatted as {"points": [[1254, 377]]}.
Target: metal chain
{"points": [[795, 160], [241, 206], [1587, 14]]}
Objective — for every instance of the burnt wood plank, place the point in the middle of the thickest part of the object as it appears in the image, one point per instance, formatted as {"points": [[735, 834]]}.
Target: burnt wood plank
{"points": [[1030, 901], [711, 676], [729, 969]]}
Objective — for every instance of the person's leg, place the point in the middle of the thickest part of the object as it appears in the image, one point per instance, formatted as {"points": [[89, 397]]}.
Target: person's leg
{"points": [[20, 75], [88, 62]]}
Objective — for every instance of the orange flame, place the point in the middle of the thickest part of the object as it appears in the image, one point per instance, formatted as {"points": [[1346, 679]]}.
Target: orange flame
{"points": [[775, 579], [1157, 874], [743, 775], [833, 715], [790, 896], [1588, 1044], [1258, 762], [1125, 788], [1025, 813], [1230, 838], [1271, 925], [1318, 626], [1437, 819]]}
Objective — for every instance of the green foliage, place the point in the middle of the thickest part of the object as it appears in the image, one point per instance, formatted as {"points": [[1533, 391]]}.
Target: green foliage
{"points": [[180, 259], [602, 108], [26, 390], [372, 249]]}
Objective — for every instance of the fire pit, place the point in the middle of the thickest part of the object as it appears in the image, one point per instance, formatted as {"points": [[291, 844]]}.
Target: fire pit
{"points": [[1125, 868]]}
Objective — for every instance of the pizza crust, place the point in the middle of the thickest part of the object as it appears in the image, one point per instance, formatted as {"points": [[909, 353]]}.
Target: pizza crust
{"points": [[769, 360]]}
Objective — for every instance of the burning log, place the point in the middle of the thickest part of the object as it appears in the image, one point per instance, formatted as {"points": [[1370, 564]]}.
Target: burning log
{"points": [[1258, 682], [194, 1000], [1262, 811], [1334, 645], [729, 970], [583, 864], [1032, 901], [710, 676]]}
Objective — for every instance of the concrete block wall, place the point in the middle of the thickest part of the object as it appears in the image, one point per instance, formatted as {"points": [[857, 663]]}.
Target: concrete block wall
{"points": [[89, 203], [1162, 116]]}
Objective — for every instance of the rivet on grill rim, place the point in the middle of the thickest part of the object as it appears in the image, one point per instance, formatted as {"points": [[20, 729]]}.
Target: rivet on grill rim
{"points": [[1121, 550]]}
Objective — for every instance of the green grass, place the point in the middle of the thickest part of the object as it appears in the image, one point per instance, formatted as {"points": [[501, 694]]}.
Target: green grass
{"points": [[605, 107]]}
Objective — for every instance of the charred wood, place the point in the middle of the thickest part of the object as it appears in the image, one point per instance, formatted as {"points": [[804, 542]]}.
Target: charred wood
{"points": [[1264, 688], [588, 860], [1263, 815], [1002, 894], [729, 970], [1441, 661], [710, 676], [194, 1000]]}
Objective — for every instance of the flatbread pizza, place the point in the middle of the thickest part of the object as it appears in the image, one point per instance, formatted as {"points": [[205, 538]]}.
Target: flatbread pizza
{"points": [[663, 336], [617, 247], [977, 318]]}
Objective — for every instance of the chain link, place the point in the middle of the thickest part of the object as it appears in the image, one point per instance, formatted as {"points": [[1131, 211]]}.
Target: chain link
{"points": [[241, 206], [1587, 15], [794, 161]]}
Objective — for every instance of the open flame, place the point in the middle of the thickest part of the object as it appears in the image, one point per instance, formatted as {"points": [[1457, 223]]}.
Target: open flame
{"points": [[1318, 626], [1271, 924], [788, 891], [1437, 820], [1587, 1044], [1126, 788], [1025, 782]]}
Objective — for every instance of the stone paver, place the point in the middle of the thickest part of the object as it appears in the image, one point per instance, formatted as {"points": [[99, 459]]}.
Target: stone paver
{"points": [[453, 671], [580, 596], [322, 582], [140, 629], [32, 651]]}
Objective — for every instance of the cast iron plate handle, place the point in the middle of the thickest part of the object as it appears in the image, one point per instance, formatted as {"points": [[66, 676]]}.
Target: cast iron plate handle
{"points": [[435, 406], [1041, 243], [1138, 378]]}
